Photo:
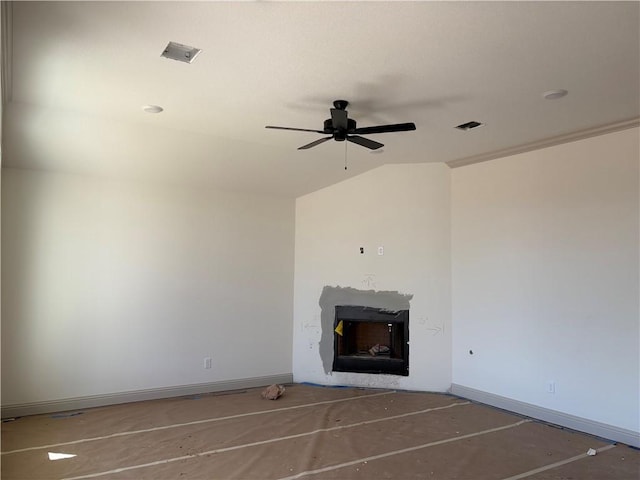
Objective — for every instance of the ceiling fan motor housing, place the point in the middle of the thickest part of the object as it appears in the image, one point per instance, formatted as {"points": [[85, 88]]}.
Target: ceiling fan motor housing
{"points": [[339, 134]]}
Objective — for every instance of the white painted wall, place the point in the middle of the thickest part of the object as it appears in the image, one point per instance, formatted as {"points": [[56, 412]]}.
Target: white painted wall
{"points": [[405, 209], [115, 287], [545, 278]]}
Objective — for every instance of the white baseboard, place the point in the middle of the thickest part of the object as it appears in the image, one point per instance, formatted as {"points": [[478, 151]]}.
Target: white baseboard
{"points": [[36, 408], [599, 429]]}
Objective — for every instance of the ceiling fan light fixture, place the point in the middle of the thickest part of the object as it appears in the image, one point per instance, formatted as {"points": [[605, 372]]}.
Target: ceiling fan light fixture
{"points": [[181, 53], [469, 126]]}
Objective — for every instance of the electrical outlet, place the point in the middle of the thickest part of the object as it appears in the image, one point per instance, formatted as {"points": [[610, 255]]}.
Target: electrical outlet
{"points": [[551, 387], [380, 250], [207, 362]]}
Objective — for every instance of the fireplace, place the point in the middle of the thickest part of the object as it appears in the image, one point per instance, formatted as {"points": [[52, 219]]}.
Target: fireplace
{"points": [[371, 340]]}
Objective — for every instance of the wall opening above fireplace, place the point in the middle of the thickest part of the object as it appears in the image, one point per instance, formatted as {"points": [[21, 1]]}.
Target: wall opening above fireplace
{"points": [[371, 340]]}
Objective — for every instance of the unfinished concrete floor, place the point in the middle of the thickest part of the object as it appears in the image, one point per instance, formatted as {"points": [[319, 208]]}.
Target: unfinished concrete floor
{"points": [[310, 432]]}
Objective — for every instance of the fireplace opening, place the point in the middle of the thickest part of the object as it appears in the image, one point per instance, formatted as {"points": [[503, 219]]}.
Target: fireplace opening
{"points": [[371, 340]]}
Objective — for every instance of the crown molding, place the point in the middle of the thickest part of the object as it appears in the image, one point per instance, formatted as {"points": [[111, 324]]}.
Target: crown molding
{"points": [[6, 50], [547, 142]]}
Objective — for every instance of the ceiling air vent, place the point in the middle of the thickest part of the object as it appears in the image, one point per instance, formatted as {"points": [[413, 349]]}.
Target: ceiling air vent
{"points": [[182, 53], [469, 126]]}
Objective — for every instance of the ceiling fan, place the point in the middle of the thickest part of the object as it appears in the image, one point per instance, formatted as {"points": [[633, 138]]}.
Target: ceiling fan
{"points": [[341, 128]]}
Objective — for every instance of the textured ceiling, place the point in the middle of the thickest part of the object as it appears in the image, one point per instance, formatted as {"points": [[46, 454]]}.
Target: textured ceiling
{"points": [[81, 71]]}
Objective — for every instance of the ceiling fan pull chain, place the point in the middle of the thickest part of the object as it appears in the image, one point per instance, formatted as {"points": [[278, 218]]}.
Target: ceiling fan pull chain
{"points": [[345, 155]]}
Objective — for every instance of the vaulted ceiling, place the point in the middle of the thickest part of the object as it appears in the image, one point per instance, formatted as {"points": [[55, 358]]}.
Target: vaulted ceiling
{"points": [[80, 73]]}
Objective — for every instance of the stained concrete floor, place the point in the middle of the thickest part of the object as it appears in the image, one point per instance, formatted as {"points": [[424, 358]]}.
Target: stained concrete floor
{"points": [[310, 432]]}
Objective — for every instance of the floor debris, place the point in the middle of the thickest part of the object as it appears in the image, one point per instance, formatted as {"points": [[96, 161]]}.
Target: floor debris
{"points": [[273, 392]]}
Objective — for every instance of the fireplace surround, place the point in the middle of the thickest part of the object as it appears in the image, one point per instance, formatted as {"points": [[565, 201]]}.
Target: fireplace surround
{"points": [[371, 340]]}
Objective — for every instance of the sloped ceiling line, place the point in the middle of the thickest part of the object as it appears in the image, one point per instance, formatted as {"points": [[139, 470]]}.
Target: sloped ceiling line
{"points": [[6, 50]]}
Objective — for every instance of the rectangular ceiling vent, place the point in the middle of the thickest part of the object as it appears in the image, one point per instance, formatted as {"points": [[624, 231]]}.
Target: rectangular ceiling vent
{"points": [[181, 53], [469, 126]]}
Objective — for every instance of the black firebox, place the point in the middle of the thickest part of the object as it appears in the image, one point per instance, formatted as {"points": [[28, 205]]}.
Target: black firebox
{"points": [[371, 340]]}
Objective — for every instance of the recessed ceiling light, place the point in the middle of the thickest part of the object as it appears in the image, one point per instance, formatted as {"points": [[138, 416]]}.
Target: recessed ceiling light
{"points": [[554, 94], [182, 53], [152, 108], [469, 126]]}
